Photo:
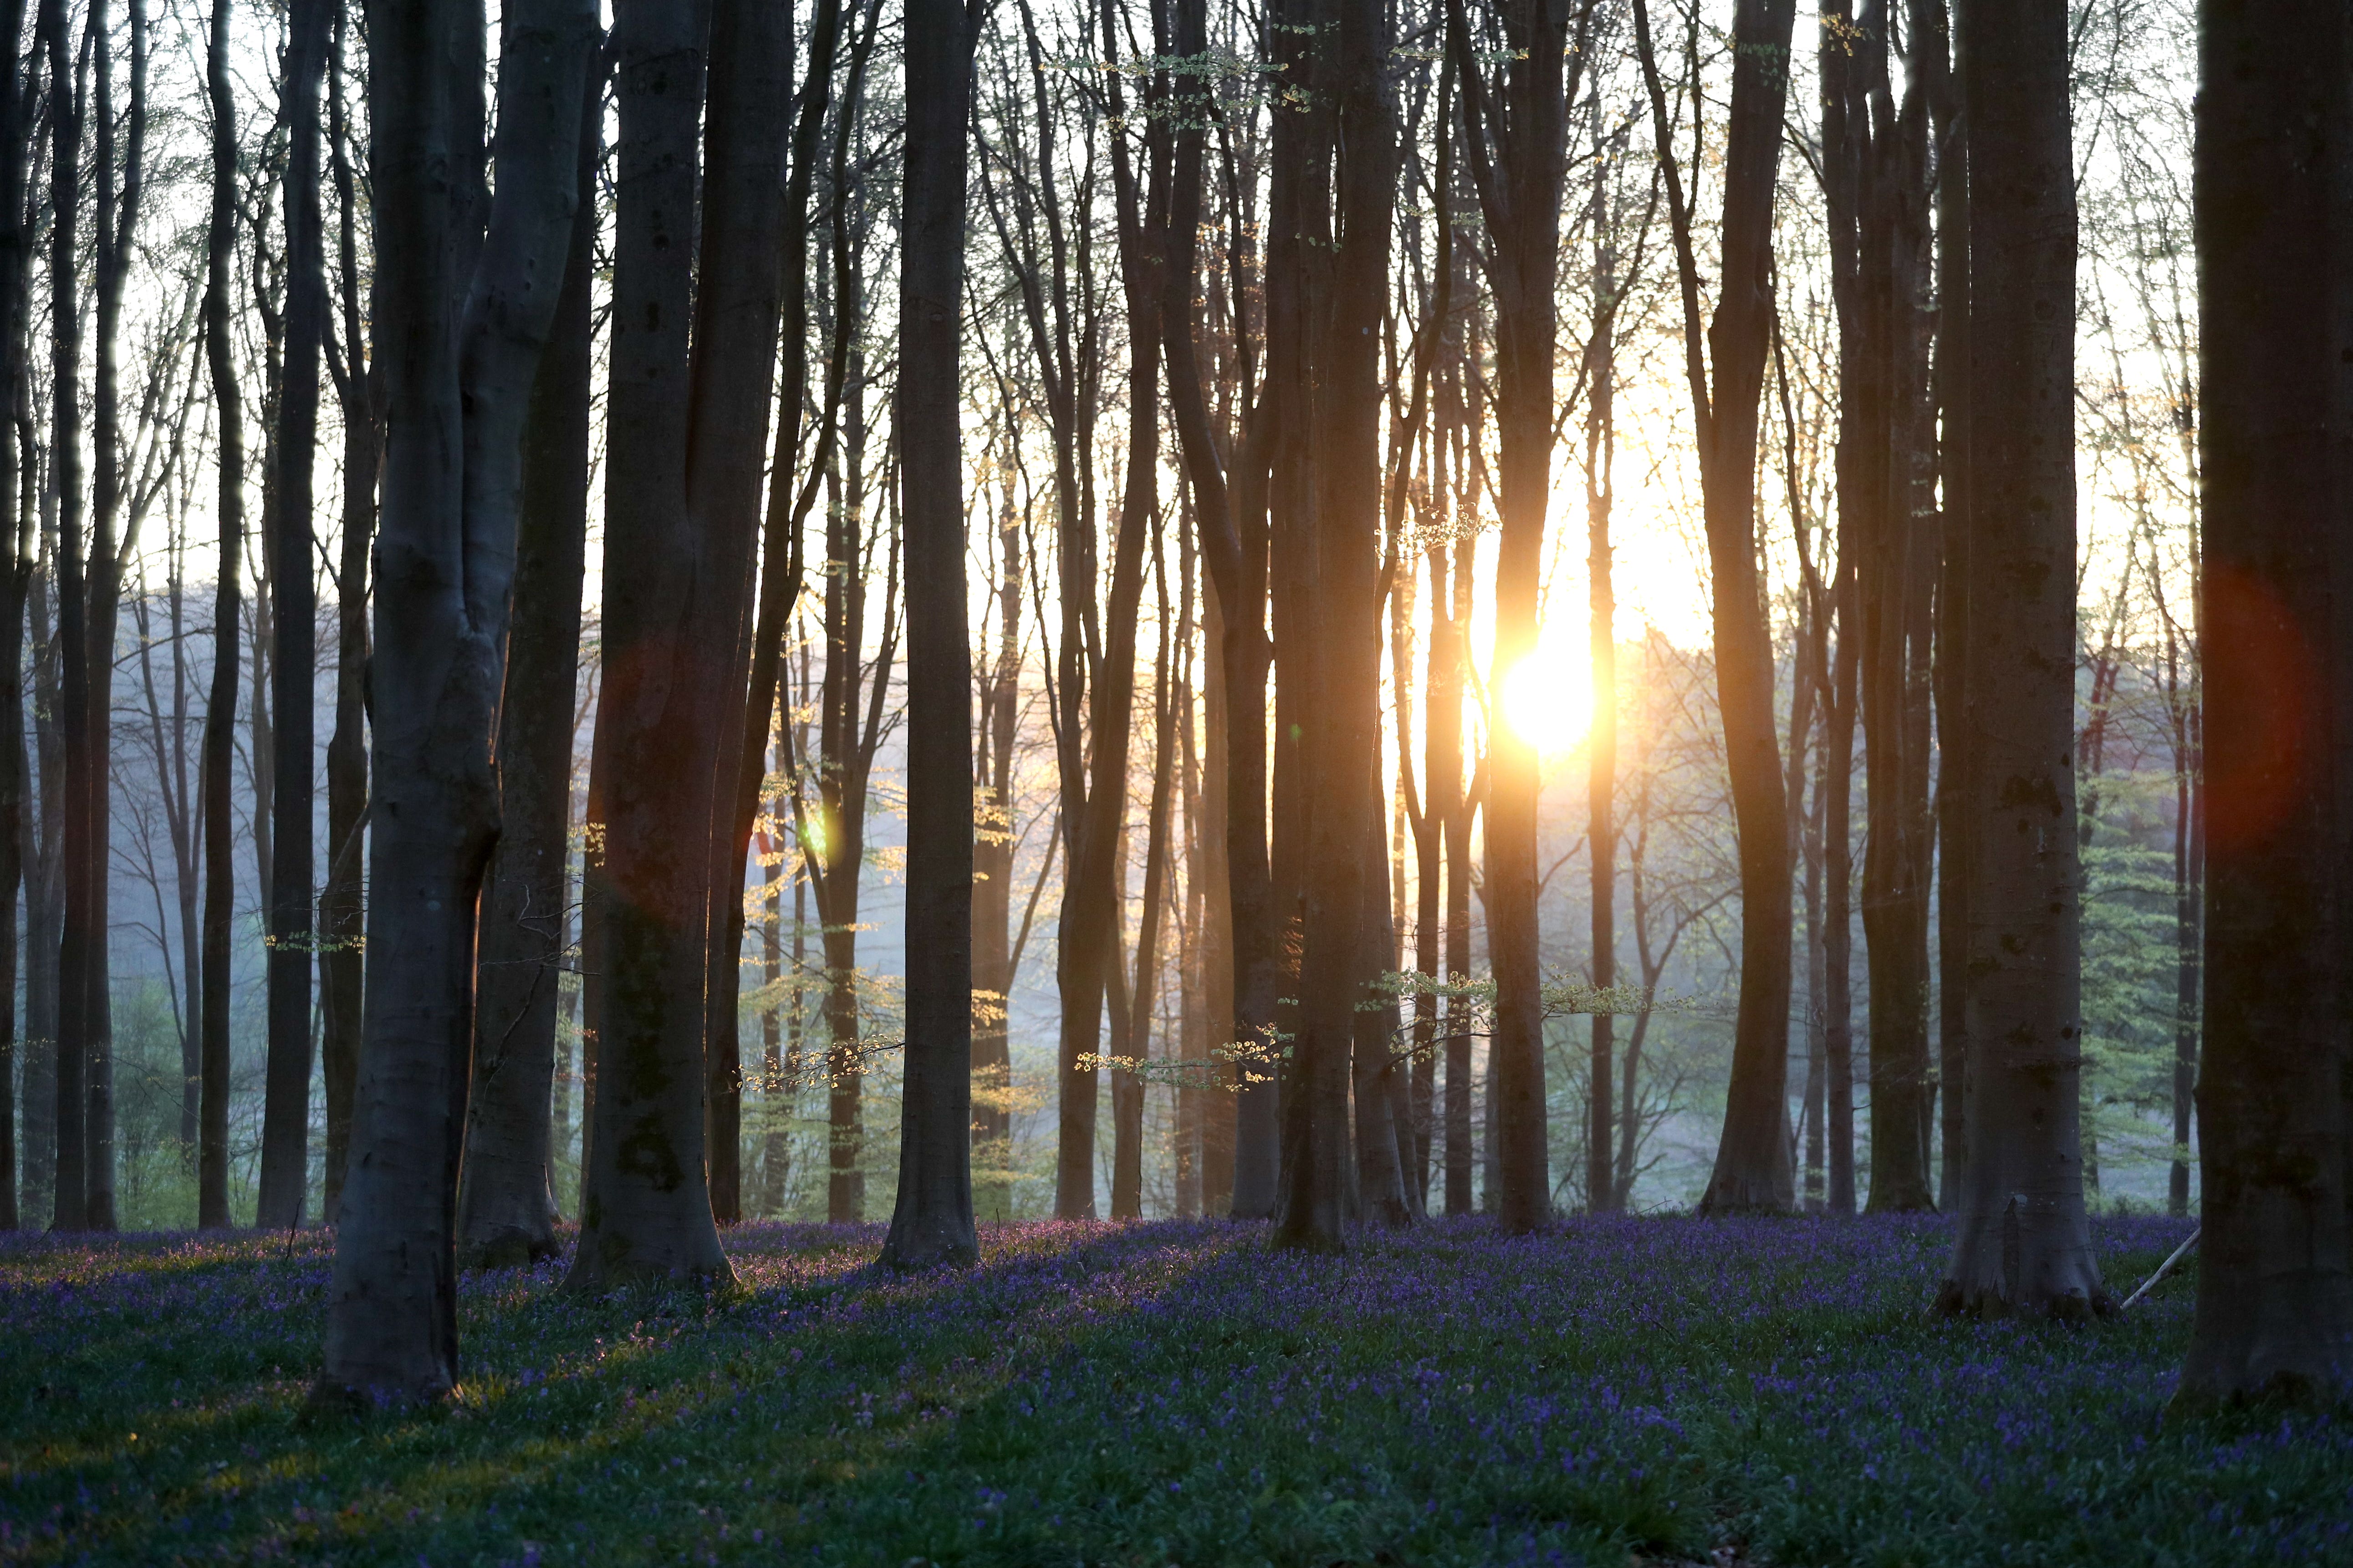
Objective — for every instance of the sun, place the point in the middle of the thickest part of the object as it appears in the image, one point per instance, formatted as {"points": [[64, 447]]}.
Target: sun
{"points": [[1547, 696]]}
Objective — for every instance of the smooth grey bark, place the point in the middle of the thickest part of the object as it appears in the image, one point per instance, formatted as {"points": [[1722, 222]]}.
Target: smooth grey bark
{"points": [[293, 661], [220, 704], [670, 630], [1725, 364], [2024, 1240], [458, 393], [506, 1206], [2274, 126], [932, 1225]]}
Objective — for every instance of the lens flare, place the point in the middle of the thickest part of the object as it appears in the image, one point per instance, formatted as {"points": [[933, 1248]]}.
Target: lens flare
{"points": [[1547, 696]]}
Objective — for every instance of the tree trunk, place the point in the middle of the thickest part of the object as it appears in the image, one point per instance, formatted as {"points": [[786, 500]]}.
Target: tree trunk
{"points": [[1240, 1152], [16, 573], [1752, 1162], [932, 1225], [286, 1115], [506, 1206], [1133, 1034], [459, 391], [782, 575], [220, 705], [737, 306], [675, 499], [77, 1171], [1601, 768], [1345, 201], [1518, 179], [2188, 920], [992, 889], [2274, 1314], [1461, 1010], [1951, 631], [1838, 895], [2024, 1243], [342, 963]]}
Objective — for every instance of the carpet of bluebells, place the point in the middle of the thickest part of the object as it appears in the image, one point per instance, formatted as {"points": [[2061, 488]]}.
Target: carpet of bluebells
{"points": [[1634, 1392]]}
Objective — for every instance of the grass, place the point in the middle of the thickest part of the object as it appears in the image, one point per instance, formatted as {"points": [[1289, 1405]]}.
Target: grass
{"points": [[1662, 1390]]}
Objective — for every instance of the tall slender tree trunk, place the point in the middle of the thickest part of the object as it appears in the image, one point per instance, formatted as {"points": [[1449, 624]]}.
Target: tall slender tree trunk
{"points": [[76, 1170], [1838, 894], [1753, 1163], [1133, 1034], [2275, 1312], [932, 1225], [1461, 1010], [506, 1203], [686, 432], [286, 1114], [737, 306], [2024, 1243], [1601, 766], [1517, 142], [2189, 919], [1941, 58], [781, 573], [46, 857], [341, 963], [992, 889], [16, 575], [459, 391], [1347, 203], [220, 706], [1240, 1153]]}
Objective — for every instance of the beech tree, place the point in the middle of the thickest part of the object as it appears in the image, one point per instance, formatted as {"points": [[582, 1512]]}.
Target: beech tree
{"points": [[2024, 1243], [1725, 364], [933, 1225], [1515, 143], [2275, 1296], [506, 1207], [458, 393], [286, 1125]]}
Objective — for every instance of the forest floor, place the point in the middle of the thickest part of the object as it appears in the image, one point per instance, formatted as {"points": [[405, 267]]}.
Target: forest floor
{"points": [[1649, 1391]]}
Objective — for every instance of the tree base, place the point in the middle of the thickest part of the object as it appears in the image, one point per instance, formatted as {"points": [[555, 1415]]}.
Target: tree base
{"points": [[509, 1246], [1988, 1302]]}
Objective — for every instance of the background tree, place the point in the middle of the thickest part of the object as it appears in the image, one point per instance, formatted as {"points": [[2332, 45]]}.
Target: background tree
{"points": [[1752, 1165]]}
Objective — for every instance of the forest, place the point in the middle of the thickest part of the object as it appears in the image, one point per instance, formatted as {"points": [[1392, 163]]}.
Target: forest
{"points": [[1259, 781]]}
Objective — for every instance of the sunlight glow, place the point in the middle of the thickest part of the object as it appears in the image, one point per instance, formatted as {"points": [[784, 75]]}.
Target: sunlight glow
{"points": [[1547, 696]]}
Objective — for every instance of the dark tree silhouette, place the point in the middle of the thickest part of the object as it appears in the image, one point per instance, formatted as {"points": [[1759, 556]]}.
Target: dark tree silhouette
{"points": [[2274, 124], [932, 1225], [1752, 1161], [286, 1106], [220, 705]]}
